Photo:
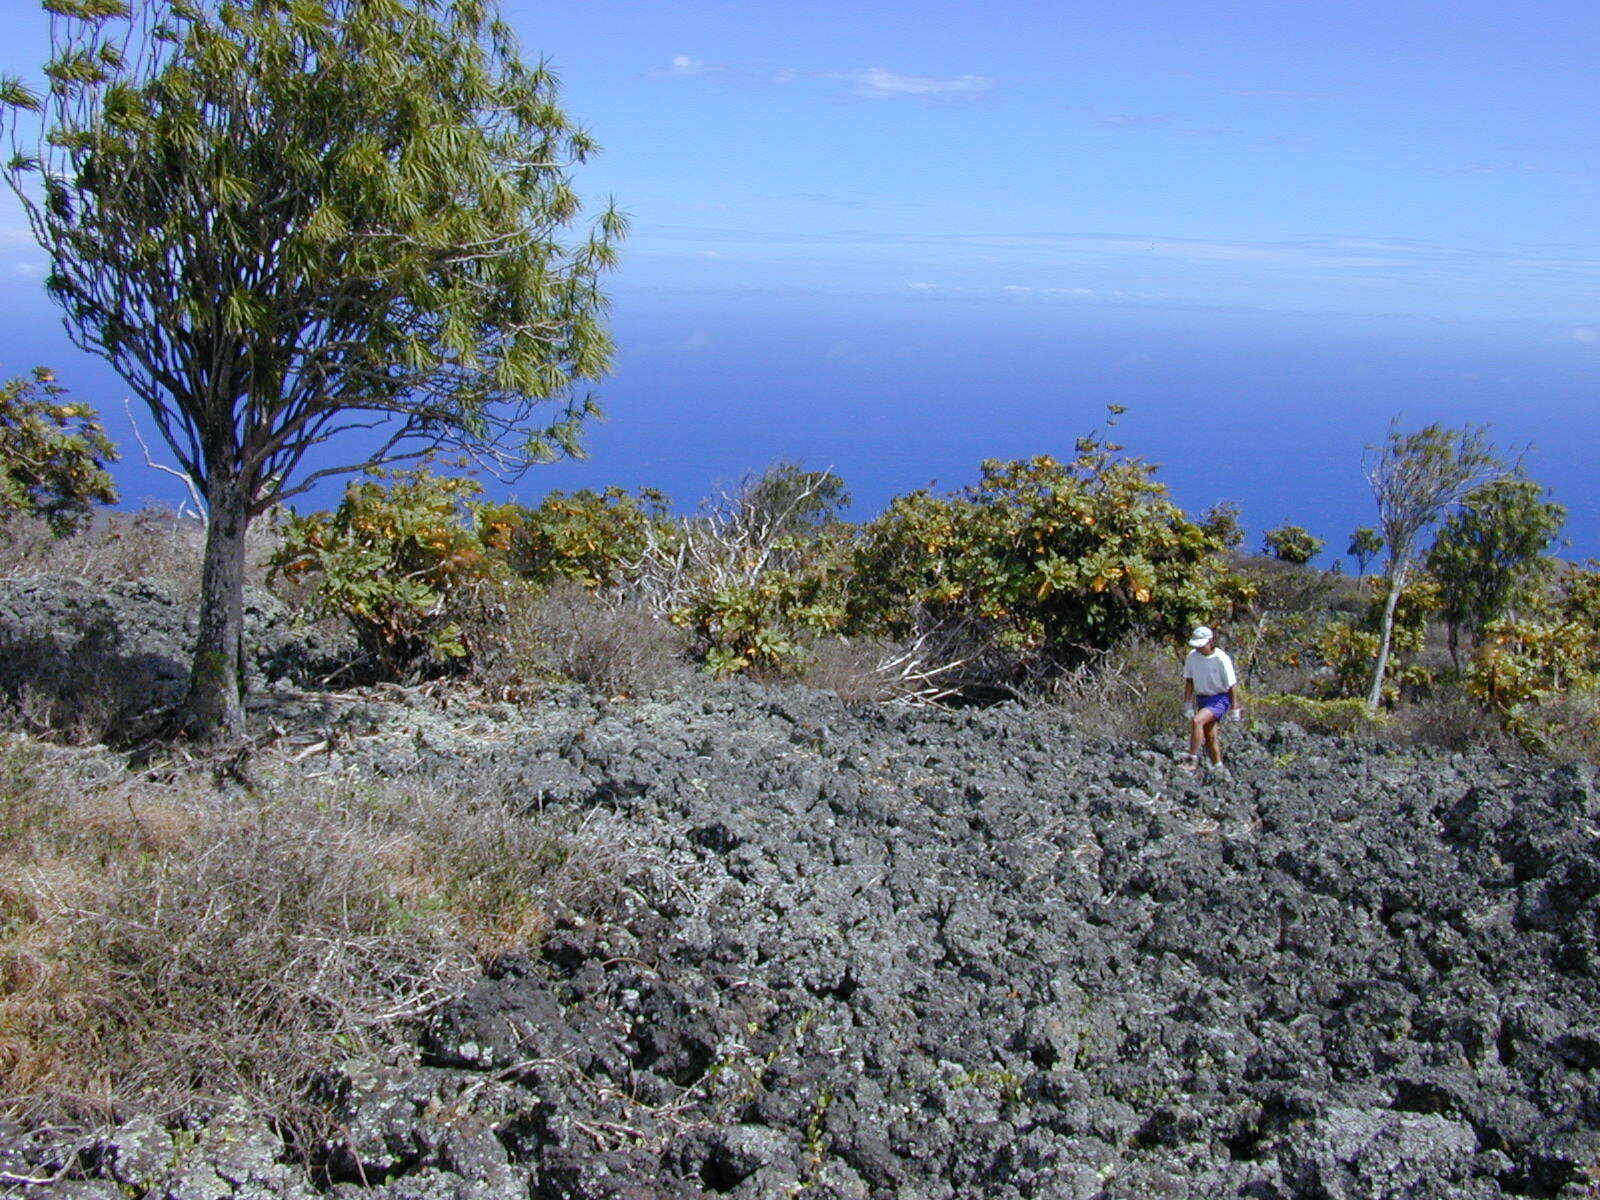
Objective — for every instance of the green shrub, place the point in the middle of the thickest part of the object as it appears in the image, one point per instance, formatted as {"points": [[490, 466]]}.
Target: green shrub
{"points": [[756, 575], [1048, 562], [596, 539], [1346, 715], [756, 615], [403, 562], [1348, 651], [1292, 544], [53, 454]]}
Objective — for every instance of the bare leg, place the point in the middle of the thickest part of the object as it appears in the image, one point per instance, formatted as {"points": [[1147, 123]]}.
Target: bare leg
{"points": [[1214, 742], [1201, 730]]}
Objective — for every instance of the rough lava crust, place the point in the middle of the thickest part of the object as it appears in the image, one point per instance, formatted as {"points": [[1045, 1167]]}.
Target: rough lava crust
{"points": [[924, 955]]}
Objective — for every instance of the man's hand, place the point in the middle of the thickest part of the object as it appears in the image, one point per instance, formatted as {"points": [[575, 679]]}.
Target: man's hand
{"points": [[1236, 713], [1188, 711]]}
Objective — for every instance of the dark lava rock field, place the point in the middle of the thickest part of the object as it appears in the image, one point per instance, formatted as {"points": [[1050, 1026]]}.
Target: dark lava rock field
{"points": [[907, 954], [928, 955]]}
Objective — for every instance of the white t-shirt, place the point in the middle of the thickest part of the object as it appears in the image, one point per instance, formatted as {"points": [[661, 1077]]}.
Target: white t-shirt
{"points": [[1212, 673]]}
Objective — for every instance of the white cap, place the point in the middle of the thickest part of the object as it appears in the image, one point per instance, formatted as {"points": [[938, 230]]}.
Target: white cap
{"points": [[1201, 635]]}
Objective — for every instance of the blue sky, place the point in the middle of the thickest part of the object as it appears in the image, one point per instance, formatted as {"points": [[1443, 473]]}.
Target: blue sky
{"points": [[897, 238]]}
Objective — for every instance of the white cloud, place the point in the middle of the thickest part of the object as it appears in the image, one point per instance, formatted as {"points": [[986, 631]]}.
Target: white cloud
{"points": [[684, 67], [1587, 334], [28, 270], [880, 83]]}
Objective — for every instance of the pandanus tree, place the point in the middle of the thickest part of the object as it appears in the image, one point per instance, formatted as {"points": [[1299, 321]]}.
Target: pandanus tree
{"points": [[312, 236]]}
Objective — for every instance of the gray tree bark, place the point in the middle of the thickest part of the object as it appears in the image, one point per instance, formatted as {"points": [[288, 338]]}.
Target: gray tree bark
{"points": [[215, 704], [1386, 633]]}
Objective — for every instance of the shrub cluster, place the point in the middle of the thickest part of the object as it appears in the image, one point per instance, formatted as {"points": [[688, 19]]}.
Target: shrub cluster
{"points": [[1043, 576], [1036, 569]]}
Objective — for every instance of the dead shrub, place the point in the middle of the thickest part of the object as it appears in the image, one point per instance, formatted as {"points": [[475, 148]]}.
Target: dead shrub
{"points": [[155, 543], [1564, 727], [868, 669], [848, 667]]}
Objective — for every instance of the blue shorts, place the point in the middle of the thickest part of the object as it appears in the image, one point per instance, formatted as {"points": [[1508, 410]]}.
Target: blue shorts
{"points": [[1218, 704]]}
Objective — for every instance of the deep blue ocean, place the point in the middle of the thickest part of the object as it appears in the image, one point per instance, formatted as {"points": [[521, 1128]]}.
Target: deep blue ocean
{"points": [[894, 392]]}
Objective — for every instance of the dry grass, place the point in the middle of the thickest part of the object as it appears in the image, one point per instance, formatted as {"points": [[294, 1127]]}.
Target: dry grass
{"points": [[74, 687], [165, 945], [154, 543], [848, 667], [1133, 691], [613, 646]]}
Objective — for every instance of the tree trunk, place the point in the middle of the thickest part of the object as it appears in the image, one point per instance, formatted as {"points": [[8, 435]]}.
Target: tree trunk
{"points": [[216, 695], [1386, 632]]}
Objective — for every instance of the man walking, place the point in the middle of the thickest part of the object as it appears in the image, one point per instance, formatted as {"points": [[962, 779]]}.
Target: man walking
{"points": [[1209, 683]]}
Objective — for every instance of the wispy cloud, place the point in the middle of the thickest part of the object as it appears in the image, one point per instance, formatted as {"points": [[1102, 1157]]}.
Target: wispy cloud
{"points": [[1134, 120], [1274, 94], [1587, 334], [1481, 168], [872, 83], [880, 83]]}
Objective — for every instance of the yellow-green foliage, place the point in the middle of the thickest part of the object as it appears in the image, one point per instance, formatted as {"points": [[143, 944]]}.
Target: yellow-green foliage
{"points": [[53, 454], [400, 559], [1059, 558], [1349, 715], [596, 539], [1349, 651], [1539, 672], [759, 619], [1292, 544]]}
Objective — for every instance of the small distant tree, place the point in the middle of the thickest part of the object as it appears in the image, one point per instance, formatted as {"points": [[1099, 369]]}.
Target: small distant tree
{"points": [[1415, 478], [1221, 521], [786, 499], [1292, 544], [312, 236], [1488, 551], [1365, 543], [53, 454]]}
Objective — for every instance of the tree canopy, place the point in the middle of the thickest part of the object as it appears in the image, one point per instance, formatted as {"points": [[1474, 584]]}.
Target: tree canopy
{"points": [[313, 235], [1416, 478], [1292, 544], [1489, 549]]}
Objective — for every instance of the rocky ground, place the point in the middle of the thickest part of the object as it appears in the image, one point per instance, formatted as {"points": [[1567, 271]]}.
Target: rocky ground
{"points": [[923, 955]]}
